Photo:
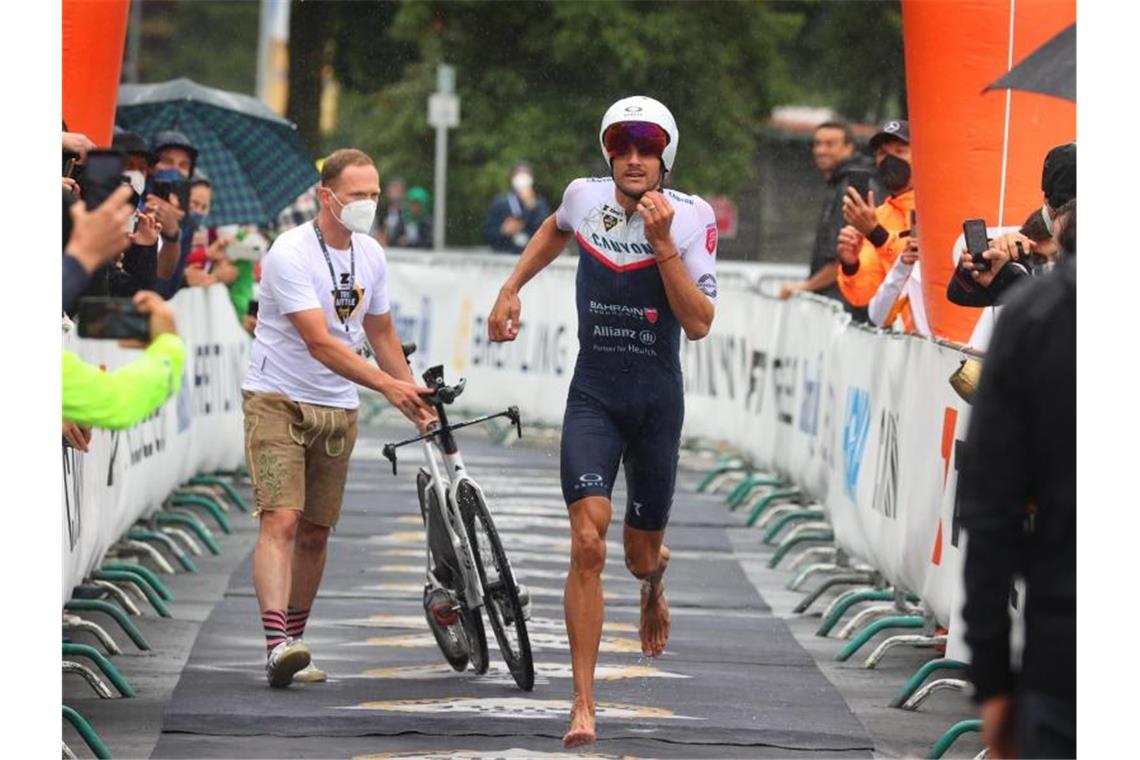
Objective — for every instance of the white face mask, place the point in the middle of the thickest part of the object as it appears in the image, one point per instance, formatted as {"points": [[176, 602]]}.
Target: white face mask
{"points": [[522, 182], [137, 180], [356, 216], [1047, 219]]}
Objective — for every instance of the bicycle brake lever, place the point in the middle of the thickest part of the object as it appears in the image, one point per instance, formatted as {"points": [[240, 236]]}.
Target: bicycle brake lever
{"points": [[389, 452], [513, 415]]}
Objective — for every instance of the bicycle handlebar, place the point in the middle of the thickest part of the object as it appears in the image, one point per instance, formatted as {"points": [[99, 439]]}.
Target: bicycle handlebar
{"points": [[511, 413]]}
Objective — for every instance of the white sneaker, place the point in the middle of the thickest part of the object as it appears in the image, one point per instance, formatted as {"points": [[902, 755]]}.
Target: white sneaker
{"points": [[285, 660], [310, 673]]}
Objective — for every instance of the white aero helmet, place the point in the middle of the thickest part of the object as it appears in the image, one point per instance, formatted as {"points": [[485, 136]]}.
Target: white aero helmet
{"points": [[642, 108]]}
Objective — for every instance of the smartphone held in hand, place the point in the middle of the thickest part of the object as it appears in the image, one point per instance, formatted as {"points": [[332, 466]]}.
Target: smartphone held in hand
{"points": [[104, 318], [974, 231]]}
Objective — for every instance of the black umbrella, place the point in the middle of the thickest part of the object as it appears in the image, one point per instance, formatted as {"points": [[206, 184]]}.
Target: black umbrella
{"points": [[1050, 69], [255, 159]]}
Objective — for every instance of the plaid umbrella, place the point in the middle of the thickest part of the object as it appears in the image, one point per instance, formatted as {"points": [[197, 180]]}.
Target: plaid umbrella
{"points": [[255, 159]]}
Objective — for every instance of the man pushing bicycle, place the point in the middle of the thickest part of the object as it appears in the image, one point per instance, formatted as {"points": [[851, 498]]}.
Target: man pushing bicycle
{"points": [[647, 270]]}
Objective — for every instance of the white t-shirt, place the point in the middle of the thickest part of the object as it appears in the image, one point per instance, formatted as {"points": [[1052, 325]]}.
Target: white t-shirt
{"points": [[295, 277]]}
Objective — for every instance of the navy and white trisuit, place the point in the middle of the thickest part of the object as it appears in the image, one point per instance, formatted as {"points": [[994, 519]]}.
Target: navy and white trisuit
{"points": [[626, 400]]}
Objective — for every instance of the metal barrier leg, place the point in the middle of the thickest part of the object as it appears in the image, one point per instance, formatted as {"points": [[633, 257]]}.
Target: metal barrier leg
{"points": [[737, 496], [109, 670], [134, 546], [120, 596], [67, 753], [799, 514], [803, 575], [207, 503], [76, 623], [230, 491], [914, 682], [895, 641], [865, 616], [792, 541], [143, 534], [874, 628], [185, 537], [835, 580], [84, 728], [716, 472], [825, 553], [780, 493], [942, 684], [94, 681], [775, 512], [131, 577], [952, 735], [194, 524], [145, 574], [97, 605]]}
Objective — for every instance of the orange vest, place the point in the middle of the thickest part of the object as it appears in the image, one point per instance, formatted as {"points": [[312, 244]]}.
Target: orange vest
{"points": [[874, 263]]}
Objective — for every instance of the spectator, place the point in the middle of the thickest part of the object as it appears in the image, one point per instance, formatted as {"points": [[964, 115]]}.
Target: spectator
{"points": [[136, 268], [1018, 499], [415, 229], [391, 219], [835, 154], [207, 263], [173, 159], [1009, 264], [514, 217], [116, 400], [75, 147], [874, 237], [93, 238]]}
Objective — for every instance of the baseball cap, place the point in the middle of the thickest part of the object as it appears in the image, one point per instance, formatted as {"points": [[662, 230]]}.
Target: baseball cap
{"points": [[172, 138], [1059, 175], [125, 141], [895, 129]]}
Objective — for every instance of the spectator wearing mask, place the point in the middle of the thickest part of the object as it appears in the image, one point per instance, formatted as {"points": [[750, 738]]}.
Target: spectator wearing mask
{"points": [[415, 229], [835, 154], [514, 217], [207, 263], [875, 237], [173, 159], [1017, 490], [390, 221], [137, 268]]}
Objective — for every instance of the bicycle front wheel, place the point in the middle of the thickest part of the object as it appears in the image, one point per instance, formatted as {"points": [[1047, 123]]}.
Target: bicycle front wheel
{"points": [[500, 591]]}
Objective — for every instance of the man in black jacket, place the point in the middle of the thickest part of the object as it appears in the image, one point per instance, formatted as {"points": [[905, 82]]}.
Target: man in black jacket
{"points": [[835, 154], [1018, 504]]}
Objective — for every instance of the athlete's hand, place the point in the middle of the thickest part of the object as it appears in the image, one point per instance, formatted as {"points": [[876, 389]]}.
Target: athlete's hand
{"points": [[657, 214], [409, 399], [503, 324]]}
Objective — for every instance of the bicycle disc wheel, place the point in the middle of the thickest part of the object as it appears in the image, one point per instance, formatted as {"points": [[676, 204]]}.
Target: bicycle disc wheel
{"points": [[500, 592], [452, 640]]}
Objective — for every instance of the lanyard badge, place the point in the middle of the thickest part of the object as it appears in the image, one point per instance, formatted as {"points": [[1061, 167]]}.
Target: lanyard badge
{"points": [[346, 294]]}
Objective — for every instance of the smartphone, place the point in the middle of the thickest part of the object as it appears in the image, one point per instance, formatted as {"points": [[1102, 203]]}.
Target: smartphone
{"points": [[106, 318], [974, 230], [103, 173], [180, 188], [860, 179]]}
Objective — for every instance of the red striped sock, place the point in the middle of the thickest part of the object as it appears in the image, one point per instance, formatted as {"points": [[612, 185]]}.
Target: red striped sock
{"points": [[295, 622], [273, 621]]}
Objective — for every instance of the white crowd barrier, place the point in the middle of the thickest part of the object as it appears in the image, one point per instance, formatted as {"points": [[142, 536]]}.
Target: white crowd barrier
{"points": [[862, 420], [127, 474]]}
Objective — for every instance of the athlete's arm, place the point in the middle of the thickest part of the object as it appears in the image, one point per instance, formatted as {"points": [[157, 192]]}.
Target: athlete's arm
{"points": [[543, 248], [404, 395], [692, 307]]}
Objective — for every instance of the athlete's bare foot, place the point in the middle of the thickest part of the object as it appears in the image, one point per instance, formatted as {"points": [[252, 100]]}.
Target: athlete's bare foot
{"points": [[655, 621], [583, 729]]}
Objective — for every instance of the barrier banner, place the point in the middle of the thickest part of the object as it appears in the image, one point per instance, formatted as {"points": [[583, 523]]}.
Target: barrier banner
{"points": [[127, 474]]}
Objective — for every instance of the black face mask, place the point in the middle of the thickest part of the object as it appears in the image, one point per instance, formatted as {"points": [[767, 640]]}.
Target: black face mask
{"points": [[894, 173]]}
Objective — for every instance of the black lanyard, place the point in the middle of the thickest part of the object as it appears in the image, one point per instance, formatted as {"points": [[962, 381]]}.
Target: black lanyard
{"points": [[332, 272]]}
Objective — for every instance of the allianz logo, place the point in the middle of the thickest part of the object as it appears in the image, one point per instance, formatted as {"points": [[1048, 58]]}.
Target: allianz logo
{"points": [[647, 337]]}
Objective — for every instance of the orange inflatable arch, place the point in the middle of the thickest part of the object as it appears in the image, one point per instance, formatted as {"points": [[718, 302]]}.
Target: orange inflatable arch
{"points": [[94, 34], [975, 154]]}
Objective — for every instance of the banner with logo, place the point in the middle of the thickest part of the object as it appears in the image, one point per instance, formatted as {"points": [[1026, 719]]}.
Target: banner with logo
{"points": [[127, 474]]}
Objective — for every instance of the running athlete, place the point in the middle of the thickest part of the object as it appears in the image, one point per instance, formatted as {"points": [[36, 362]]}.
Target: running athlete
{"points": [[646, 271]]}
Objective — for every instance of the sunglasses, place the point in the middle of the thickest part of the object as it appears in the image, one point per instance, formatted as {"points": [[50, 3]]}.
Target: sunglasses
{"points": [[649, 139]]}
